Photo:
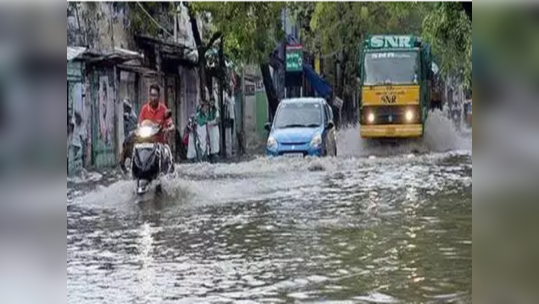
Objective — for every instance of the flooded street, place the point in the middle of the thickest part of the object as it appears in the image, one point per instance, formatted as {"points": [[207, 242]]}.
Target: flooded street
{"points": [[354, 229]]}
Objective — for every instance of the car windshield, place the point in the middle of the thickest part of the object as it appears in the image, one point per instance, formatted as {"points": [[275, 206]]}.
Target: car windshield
{"points": [[391, 68], [299, 115]]}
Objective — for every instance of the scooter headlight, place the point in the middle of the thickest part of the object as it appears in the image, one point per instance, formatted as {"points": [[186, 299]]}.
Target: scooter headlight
{"points": [[145, 132]]}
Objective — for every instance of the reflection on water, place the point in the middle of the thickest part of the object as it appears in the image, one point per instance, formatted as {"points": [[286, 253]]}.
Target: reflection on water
{"points": [[362, 231]]}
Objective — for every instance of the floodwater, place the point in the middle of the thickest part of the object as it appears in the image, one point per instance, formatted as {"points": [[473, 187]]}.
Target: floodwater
{"points": [[359, 228]]}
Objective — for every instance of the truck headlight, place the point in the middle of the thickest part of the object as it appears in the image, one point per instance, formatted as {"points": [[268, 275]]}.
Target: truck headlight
{"points": [[409, 115], [272, 143], [316, 141], [370, 117]]}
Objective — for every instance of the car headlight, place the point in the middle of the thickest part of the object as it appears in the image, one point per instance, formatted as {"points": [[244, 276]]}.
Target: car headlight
{"points": [[272, 143], [145, 132], [316, 141], [370, 117], [409, 115]]}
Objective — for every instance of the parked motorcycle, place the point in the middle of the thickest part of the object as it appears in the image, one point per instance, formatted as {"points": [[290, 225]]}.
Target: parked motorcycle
{"points": [[151, 159]]}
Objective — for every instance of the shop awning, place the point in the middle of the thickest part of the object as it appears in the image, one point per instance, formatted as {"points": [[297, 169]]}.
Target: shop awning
{"points": [[320, 85]]}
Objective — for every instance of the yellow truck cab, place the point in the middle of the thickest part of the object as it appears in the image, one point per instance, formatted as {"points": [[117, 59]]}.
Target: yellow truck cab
{"points": [[395, 79]]}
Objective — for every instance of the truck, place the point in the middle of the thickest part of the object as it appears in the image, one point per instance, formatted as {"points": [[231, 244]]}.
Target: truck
{"points": [[396, 82]]}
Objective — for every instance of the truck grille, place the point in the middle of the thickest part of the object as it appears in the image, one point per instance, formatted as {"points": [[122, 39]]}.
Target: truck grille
{"points": [[390, 115]]}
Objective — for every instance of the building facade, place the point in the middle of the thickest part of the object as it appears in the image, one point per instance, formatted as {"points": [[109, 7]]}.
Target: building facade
{"points": [[108, 63]]}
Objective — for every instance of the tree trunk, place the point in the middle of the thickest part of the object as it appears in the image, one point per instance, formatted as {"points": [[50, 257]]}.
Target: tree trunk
{"points": [[343, 92], [221, 99], [273, 100]]}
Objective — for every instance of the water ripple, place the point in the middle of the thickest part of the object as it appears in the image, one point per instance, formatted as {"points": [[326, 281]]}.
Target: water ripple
{"points": [[361, 231]]}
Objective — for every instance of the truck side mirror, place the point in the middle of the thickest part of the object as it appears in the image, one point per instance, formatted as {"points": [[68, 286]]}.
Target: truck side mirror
{"points": [[267, 126]]}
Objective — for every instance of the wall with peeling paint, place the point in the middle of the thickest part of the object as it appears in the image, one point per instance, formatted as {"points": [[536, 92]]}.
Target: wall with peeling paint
{"points": [[94, 113], [98, 25], [104, 116], [101, 26], [77, 123]]}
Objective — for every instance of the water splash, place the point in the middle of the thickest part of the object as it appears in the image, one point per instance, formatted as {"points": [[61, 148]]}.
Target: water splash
{"points": [[200, 185], [441, 135]]}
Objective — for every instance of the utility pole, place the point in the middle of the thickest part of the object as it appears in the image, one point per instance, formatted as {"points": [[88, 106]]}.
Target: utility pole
{"points": [[222, 75]]}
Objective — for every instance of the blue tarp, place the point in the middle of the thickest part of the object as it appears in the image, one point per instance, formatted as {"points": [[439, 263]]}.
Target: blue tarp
{"points": [[321, 86]]}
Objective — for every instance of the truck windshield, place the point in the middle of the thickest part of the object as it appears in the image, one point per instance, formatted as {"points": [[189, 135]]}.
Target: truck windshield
{"points": [[391, 68], [299, 115]]}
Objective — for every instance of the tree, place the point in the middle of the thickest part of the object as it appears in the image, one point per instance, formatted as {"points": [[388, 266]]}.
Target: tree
{"points": [[201, 47], [251, 30], [337, 29], [449, 30]]}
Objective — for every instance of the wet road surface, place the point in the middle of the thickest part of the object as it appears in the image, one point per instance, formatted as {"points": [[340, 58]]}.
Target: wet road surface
{"points": [[344, 230], [395, 228]]}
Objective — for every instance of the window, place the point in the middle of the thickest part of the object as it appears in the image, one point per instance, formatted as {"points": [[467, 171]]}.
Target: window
{"points": [[391, 68], [327, 116], [330, 112], [299, 115]]}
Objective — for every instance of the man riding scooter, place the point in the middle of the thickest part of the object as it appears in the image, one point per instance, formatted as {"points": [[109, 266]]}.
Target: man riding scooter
{"points": [[154, 111]]}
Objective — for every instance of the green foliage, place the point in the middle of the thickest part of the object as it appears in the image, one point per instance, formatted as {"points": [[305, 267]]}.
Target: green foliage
{"points": [[338, 28], [251, 30], [343, 26], [303, 13], [449, 31]]}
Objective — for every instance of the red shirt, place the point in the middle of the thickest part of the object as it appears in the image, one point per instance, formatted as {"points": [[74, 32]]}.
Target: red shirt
{"points": [[157, 116]]}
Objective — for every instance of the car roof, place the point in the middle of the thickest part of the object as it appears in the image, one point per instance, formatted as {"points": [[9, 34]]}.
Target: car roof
{"points": [[304, 100]]}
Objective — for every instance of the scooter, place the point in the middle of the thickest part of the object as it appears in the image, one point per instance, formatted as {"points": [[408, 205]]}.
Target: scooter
{"points": [[151, 160]]}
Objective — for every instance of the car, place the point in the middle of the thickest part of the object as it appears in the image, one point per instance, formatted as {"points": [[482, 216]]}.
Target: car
{"points": [[302, 127]]}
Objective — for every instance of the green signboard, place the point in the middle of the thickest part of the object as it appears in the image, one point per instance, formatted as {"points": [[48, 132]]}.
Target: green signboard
{"points": [[383, 41], [294, 58]]}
